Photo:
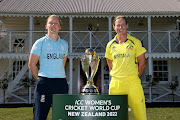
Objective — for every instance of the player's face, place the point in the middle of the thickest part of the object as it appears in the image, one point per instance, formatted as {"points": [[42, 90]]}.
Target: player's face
{"points": [[53, 25], [120, 26]]}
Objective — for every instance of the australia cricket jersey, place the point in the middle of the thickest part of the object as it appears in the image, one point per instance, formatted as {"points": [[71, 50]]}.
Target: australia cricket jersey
{"points": [[51, 56], [124, 56]]}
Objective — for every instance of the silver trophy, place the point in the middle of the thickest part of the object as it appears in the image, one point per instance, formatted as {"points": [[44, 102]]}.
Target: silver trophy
{"points": [[90, 62]]}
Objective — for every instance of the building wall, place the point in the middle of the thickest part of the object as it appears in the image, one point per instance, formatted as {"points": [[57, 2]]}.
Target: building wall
{"points": [[81, 24], [76, 77], [175, 64], [98, 24], [4, 65], [164, 23], [15, 23], [101, 24]]}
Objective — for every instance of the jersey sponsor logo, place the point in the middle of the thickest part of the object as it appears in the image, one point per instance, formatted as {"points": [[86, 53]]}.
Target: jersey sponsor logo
{"points": [[121, 55], [113, 49], [42, 98], [129, 47], [55, 56]]}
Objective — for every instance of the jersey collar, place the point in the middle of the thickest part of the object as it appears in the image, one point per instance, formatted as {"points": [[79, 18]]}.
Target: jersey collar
{"points": [[115, 38], [59, 39]]}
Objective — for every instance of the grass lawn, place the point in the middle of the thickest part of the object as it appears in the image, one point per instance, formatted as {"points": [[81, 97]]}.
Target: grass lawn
{"points": [[25, 113]]}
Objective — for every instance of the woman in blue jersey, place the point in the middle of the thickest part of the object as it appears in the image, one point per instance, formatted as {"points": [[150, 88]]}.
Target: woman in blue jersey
{"points": [[51, 51], [126, 60]]}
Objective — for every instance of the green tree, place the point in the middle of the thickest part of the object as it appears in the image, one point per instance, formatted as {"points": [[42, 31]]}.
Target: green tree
{"points": [[4, 84], [173, 85]]}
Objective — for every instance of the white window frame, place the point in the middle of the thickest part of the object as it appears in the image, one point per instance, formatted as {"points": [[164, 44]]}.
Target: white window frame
{"points": [[168, 67], [17, 66]]}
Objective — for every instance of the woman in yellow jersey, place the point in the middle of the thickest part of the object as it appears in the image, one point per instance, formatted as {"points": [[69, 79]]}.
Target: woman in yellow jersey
{"points": [[126, 59]]}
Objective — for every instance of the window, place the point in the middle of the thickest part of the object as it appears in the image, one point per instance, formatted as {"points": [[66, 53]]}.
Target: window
{"points": [[17, 66], [19, 42], [160, 70]]}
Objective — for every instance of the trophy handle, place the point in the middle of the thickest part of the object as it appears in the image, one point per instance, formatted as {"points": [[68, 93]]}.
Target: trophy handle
{"points": [[85, 67], [94, 66], [92, 63]]}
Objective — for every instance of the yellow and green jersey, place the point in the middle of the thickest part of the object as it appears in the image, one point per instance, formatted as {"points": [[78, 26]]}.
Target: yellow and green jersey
{"points": [[124, 56]]}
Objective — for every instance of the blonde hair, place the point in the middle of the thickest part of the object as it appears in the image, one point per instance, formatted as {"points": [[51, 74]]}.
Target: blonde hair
{"points": [[119, 17], [55, 17]]}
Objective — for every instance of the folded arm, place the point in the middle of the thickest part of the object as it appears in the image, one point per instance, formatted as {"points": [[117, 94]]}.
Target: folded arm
{"points": [[33, 60], [109, 62], [141, 63]]}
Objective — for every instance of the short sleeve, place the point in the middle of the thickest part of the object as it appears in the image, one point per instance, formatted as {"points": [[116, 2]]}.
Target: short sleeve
{"points": [[36, 48], [139, 48]]}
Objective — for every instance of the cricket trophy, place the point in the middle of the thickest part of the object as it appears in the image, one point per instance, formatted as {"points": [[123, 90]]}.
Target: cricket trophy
{"points": [[90, 62]]}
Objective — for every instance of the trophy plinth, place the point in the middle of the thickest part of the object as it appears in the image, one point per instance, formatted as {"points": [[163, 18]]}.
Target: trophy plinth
{"points": [[90, 62], [89, 89]]}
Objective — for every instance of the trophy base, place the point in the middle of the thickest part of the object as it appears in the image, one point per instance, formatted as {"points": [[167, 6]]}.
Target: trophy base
{"points": [[89, 89]]}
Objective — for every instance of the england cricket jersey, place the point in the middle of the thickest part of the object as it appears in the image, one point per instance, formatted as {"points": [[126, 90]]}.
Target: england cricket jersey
{"points": [[124, 56], [51, 56]]}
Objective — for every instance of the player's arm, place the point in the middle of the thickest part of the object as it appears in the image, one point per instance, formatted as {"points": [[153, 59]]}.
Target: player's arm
{"points": [[64, 61], [141, 63], [33, 60], [109, 62]]}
